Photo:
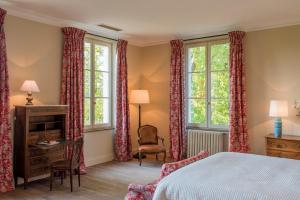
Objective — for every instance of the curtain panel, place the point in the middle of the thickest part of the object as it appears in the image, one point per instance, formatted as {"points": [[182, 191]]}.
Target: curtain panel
{"points": [[178, 137], [122, 138], [238, 135], [72, 82], [6, 151]]}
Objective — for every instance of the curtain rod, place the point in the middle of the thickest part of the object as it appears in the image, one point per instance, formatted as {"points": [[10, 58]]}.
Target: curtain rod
{"points": [[212, 36], [102, 36]]}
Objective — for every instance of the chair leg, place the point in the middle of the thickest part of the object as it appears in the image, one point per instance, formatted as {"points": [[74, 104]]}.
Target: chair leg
{"points": [[71, 179], [78, 172], [61, 177], [51, 178], [140, 158], [165, 155]]}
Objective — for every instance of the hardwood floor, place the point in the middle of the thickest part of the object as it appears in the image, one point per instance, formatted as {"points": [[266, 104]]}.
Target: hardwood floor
{"points": [[106, 181]]}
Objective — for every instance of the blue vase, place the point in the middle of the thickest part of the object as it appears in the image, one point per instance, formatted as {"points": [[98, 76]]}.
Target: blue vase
{"points": [[277, 127]]}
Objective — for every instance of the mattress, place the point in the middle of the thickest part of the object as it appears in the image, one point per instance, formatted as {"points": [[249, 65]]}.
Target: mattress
{"points": [[232, 176]]}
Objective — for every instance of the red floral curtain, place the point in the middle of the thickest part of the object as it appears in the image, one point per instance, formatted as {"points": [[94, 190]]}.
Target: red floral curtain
{"points": [[238, 134], [6, 151], [72, 82], [122, 135], [177, 129]]}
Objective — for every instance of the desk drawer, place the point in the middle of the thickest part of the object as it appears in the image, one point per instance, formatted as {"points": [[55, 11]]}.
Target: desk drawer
{"points": [[283, 144], [283, 154], [39, 171]]}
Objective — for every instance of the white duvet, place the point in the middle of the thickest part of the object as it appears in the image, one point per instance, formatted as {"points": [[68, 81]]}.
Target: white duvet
{"points": [[231, 176]]}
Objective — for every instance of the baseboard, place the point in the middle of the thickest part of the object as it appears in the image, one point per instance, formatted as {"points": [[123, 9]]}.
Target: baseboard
{"points": [[99, 160]]}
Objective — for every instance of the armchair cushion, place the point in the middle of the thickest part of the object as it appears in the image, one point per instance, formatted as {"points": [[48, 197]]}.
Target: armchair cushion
{"points": [[151, 148], [146, 192]]}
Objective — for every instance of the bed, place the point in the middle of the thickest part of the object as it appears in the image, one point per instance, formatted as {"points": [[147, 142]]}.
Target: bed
{"points": [[232, 176]]}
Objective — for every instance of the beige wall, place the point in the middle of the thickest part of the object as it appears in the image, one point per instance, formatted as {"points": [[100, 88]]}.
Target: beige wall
{"points": [[155, 78], [272, 60], [273, 69], [34, 51]]}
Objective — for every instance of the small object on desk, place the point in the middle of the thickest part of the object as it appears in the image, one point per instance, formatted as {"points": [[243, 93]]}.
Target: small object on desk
{"points": [[288, 146], [53, 142]]}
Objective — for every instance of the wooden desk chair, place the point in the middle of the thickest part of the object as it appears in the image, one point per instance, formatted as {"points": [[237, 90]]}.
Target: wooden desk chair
{"points": [[72, 164], [148, 142]]}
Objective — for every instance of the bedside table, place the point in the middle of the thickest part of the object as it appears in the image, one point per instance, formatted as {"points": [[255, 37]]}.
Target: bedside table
{"points": [[287, 146]]}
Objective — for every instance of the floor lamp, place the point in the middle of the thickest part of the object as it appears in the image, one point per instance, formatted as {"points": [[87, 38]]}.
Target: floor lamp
{"points": [[139, 97]]}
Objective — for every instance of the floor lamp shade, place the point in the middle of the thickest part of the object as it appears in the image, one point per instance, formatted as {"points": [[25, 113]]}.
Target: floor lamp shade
{"points": [[139, 97]]}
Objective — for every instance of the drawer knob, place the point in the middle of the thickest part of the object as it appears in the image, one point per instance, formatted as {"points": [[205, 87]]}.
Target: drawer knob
{"points": [[279, 146]]}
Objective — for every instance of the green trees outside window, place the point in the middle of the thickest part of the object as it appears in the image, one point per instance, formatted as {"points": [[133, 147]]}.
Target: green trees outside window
{"points": [[97, 87], [208, 85]]}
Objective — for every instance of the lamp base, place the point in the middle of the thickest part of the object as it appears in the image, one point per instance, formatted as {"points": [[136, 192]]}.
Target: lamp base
{"points": [[277, 127], [29, 99]]}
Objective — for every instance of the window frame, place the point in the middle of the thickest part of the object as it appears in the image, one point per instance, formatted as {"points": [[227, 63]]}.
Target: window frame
{"points": [[93, 40], [208, 89]]}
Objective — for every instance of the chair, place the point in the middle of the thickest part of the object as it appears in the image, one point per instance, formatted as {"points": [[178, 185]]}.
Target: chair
{"points": [[70, 164], [148, 142]]}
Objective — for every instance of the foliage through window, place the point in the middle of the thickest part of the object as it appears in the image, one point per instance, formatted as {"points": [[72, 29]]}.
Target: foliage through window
{"points": [[97, 84], [208, 84]]}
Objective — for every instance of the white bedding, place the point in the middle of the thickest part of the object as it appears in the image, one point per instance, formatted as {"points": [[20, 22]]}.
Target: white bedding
{"points": [[231, 176]]}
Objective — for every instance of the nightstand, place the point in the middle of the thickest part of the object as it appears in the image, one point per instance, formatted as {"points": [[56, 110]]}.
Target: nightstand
{"points": [[287, 146]]}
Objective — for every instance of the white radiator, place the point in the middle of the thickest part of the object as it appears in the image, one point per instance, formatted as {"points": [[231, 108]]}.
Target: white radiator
{"points": [[211, 141]]}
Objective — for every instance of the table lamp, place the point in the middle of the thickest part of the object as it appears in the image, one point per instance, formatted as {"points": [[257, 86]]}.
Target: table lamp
{"points": [[278, 109], [139, 97], [29, 86]]}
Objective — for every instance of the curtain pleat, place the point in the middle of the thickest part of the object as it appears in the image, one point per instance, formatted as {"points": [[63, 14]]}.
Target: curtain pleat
{"points": [[6, 151], [122, 138], [72, 83], [177, 130], [238, 134]]}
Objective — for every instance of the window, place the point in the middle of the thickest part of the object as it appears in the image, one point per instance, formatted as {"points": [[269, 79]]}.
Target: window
{"points": [[208, 85], [97, 84]]}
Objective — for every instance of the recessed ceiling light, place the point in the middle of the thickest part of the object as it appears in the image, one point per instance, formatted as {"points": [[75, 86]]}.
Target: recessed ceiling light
{"points": [[110, 27]]}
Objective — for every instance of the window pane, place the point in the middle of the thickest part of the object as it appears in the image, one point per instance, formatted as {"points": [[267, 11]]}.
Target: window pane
{"points": [[101, 84], [102, 110], [87, 112], [101, 57], [87, 55], [220, 84], [197, 85], [220, 112], [87, 83], [220, 57], [197, 111], [197, 59]]}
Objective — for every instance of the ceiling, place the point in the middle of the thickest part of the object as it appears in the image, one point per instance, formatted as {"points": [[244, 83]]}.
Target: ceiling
{"points": [[157, 21]]}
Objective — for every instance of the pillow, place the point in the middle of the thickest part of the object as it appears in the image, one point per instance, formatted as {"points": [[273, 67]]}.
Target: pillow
{"points": [[168, 168]]}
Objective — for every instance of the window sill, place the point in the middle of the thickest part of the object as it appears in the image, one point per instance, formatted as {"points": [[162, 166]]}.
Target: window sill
{"points": [[89, 130], [208, 129]]}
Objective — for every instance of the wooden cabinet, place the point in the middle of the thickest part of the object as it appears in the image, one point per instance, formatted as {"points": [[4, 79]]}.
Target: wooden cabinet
{"points": [[33, 125], [285, 147]]}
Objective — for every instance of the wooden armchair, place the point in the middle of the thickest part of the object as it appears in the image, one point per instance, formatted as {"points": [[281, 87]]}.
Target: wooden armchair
{"points": [[70, 164], [148, 142]]}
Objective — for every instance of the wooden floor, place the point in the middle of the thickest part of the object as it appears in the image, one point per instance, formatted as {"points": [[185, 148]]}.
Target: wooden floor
{"points": [[106, 181]]}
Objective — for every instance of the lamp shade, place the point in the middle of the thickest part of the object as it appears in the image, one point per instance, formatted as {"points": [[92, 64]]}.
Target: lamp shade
{"points": [[30, 86], [278, 108], [139, 97]]}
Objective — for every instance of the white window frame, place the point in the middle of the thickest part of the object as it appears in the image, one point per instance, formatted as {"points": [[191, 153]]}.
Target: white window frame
{"points": [[205, 43], [93, 40]]}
